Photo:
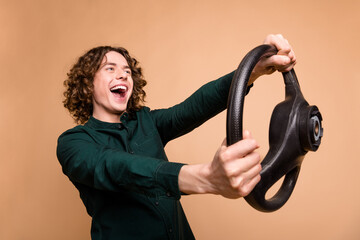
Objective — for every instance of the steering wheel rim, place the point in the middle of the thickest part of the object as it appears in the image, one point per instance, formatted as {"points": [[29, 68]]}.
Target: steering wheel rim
{"points": [[288, 134], [238, 91]]}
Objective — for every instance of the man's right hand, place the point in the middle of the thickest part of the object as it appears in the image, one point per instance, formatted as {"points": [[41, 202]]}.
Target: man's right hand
{"points": [[233, 173]]}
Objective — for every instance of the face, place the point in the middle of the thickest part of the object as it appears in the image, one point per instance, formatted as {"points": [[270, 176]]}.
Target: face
{"points": [[113, 87]]}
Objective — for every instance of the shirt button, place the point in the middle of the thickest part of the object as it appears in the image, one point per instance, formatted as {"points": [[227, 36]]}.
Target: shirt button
{"points": [[157, 203], [170, 230], [131, 152], [168, 194]]}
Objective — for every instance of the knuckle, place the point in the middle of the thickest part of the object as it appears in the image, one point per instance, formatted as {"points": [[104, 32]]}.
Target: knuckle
{"points": [[236, 183], [233, 184], [225, 156], [254, 159], [257, 179], [272, 36], [244, 191], [269, 38], [258, 168], [229, 173], [257, 157], [285, 61]]}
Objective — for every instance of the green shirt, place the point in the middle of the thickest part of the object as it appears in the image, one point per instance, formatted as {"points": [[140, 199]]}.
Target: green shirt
{"points": [[125, 180]]}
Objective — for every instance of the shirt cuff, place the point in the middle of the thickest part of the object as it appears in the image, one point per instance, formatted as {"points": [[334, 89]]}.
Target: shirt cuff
{"points": [[167, 176]]}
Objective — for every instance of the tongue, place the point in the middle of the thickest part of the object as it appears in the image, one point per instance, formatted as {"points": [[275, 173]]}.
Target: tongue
{"points": [[119, 93]]}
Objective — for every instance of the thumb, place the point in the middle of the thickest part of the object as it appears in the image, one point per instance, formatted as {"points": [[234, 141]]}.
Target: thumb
{"points": [[247, 134]]}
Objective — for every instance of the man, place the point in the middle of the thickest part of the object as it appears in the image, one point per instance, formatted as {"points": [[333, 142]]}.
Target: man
{"points": [[116, 159]]}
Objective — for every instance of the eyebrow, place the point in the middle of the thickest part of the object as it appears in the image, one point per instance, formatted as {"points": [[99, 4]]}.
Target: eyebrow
{"points": [[114, 64]]}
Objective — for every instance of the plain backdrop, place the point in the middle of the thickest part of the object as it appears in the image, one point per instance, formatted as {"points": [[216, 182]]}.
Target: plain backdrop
{"points": [[181, 45]]}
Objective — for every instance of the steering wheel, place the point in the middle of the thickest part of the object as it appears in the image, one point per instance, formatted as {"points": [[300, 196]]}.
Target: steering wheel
{"points": [[295, 129]]}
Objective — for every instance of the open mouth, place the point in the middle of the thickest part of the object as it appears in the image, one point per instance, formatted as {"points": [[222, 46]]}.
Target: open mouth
{"points": [[119, 91]]}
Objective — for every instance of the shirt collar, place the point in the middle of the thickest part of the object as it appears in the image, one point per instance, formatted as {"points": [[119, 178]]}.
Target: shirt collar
{"points": [[95, 123]]}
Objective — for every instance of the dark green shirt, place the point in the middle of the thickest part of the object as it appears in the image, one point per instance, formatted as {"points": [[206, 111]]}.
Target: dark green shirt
{"points": [[125, 180]]}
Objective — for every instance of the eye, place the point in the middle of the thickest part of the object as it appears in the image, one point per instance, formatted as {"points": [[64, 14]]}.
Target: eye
{"points": [[110, 69]]}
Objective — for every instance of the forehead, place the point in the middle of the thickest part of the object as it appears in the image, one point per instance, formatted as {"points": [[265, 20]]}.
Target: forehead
{"points": [[114, 57]]}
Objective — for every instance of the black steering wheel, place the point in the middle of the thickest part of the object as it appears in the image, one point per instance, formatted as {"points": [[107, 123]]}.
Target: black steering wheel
{"points": [[295, 129]]}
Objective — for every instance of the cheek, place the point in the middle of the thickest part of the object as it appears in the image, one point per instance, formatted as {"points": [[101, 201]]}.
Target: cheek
{"points": [[132, 88], [100, 85], [98, 92], [95, 90]]}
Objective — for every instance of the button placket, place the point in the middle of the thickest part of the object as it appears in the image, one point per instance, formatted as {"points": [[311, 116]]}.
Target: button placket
{"points": [[128, 147]]}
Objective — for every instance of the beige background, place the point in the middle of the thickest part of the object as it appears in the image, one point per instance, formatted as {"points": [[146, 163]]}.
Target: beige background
{"points": [[181, 45]]}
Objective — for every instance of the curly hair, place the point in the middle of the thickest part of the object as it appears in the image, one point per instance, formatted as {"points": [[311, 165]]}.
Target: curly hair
{"points": [[79, 84]]}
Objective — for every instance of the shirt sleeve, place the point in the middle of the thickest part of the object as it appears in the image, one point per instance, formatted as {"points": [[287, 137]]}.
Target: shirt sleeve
{"points": [[104, 168], [205, 103]]}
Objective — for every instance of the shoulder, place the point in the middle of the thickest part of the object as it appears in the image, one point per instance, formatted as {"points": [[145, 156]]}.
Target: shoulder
{"points": [[77, 132], [144, 112], [76, 129], [151, 117]]}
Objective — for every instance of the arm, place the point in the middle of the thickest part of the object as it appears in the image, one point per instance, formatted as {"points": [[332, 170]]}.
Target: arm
{"points": [[205, 103], [235, 169], [103, 168]]}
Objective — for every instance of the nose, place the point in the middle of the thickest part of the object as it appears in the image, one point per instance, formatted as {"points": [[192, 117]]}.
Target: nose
{"points": [[121, 75]]}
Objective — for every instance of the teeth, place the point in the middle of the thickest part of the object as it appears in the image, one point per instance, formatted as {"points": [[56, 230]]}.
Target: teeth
{"points": [[118, 87]]}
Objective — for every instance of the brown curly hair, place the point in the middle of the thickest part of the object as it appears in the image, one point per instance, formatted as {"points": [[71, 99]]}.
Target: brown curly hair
{"points": [[79, 84]]}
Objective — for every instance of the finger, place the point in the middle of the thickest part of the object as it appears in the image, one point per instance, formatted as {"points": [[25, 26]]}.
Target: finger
{"points": [[249, 186], [241, 148], [245, 178], [279, 62], [279, 42], [282, 45], [286, 68], [253, 172], [243, 165], [292, 56]]}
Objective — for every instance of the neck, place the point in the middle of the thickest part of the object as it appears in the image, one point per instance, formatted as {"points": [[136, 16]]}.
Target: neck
{"points": [[110, 118]]}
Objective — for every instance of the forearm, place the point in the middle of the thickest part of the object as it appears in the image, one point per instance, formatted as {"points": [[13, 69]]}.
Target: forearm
{"points": [[111, 169], [205, 103], [194, 179]]}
